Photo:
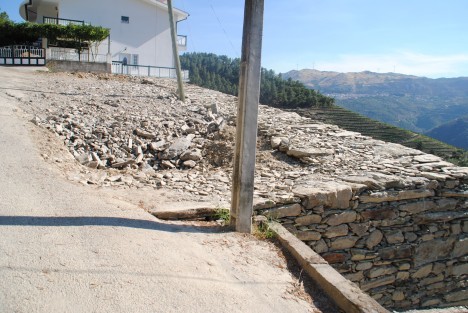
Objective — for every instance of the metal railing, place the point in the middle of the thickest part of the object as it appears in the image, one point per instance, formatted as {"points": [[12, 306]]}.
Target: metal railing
{"points": [[182, 40], [61, 21], [22, 55], [146, 70], [63, 54]]}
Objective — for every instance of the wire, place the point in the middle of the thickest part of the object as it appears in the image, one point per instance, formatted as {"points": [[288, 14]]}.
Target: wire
{"points": [[225, 33]]}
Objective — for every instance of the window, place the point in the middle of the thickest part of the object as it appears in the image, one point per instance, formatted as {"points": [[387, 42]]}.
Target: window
{"points": [[135, 59], [125, 19]]}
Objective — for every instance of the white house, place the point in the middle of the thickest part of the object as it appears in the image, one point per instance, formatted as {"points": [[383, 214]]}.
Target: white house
{"points": [[140, 32]]}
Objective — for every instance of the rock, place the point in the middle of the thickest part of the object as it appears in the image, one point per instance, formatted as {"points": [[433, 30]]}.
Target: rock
{"points": [[308, 235], [333, 258], [342, 218], [394, 236], [190, 163], [144, 134], [123, 164], [177, 148], [427, 158], [398, 296], [263, 203], [337, 231], [330, 194], [367, 181], [398, 252], [193, 154], [359, 229], [457, 296], [308, 219], [460, 269], [157, 146], [284, 211], [379, 214], [374, 239], [381, 271], [308, 152], [378, 282], [341, 243], [422, 272], [460, 248], [439, 217], [418, 207], [433, 250], [386, 196]]}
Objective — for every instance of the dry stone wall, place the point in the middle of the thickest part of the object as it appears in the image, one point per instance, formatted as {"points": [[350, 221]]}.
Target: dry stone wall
{"points": [[391, 219], [404, 241]]}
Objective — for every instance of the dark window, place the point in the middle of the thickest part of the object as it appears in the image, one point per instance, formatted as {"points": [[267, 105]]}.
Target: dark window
{"points": [[125, 19]]}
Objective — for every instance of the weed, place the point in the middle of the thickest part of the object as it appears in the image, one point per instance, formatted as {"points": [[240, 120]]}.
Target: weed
{"points": [[263, 231], [223, 214]]}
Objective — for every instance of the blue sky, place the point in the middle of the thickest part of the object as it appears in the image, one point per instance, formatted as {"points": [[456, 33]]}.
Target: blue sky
{"points": [[418, 37]]}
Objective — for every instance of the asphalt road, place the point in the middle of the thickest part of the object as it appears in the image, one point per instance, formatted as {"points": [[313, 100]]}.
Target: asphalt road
{"points": [[68, 248]]}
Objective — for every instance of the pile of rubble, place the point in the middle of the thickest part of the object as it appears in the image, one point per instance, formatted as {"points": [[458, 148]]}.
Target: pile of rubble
{"points": [[139, 134]]}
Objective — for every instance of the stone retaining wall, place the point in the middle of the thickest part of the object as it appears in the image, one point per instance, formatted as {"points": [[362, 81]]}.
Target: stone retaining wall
{"points": [[402, 240], [76, 66]]}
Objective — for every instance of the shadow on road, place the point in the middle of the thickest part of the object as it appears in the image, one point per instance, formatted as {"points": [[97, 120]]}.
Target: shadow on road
{"points": [[54, 221]]}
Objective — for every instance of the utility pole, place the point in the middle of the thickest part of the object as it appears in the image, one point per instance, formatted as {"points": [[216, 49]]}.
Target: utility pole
{"points": [[247, 116], [175, 51]]}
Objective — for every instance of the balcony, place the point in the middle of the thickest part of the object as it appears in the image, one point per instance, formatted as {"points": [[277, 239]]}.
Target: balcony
{"points": [[61, 21]]}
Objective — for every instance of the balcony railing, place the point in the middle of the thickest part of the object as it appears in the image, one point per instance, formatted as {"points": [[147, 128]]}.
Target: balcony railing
{"points": [[145, 70], [182, 40], [61, 21]]}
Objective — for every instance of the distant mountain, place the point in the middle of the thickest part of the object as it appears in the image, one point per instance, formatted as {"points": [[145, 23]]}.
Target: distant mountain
{"points": [[411, 102], [454, 132]]}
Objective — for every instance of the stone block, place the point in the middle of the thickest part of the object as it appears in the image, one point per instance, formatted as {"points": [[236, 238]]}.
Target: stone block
{"points": [[308, 152], [430, 302], [388, 196], [460, 269], [398, 296], [356, 277], [394, 236], [359, 229], [439, 217], [320, 246], [336, 231], [334, 258], [418, 207], [343, 243], [434, 250], [381, 271], [446, 204], [329, 194], [422, 272], [374, 239], [363, 266], [361, 254], [379, 214], [457, 296], [431, 280], [285, 211], [403, 276], [341, 218], [460, 248], [378, 282], [308, 219], [263, 203], [398, 252], [308, 235]]}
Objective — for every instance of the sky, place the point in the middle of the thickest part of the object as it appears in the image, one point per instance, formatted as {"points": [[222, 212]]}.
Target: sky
{"points": [[416, 37]]}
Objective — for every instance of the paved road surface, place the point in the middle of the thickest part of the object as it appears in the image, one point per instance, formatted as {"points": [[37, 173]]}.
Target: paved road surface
{"points": [[67, 248]]}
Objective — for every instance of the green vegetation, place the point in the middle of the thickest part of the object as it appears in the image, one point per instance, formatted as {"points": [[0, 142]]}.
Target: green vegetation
{"points": [[263, 231], [4, 17], [222, 74], [454, 132], [223, 214], [355, 122], [70, 36]]}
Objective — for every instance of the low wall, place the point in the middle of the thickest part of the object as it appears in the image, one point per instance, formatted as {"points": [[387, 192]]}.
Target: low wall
{"points": [[76, 66], [402, 240]]}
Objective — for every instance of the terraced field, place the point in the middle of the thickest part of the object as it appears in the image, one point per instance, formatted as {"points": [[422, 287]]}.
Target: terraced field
{"points": [[355, 122]]}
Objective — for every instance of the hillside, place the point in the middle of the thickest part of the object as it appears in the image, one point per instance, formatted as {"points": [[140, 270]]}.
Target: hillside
{"points": [[454, 132], [414, 103]]}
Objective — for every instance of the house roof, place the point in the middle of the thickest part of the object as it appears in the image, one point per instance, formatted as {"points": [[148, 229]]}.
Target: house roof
{"points": [[32, 6]]}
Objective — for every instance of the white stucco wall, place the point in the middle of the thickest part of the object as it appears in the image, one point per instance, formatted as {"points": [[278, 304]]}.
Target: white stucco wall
{"points": [[147, 33]]}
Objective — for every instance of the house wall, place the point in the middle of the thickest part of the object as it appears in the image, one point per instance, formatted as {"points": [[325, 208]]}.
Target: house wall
{"points": [[147, 33]]}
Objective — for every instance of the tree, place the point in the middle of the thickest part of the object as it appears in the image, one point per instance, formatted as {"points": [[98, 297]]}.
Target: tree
{"points": [[4, 17]]}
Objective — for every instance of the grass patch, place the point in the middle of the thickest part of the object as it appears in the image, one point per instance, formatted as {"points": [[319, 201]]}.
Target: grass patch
{"points": [[223, 214], [263, 231]]}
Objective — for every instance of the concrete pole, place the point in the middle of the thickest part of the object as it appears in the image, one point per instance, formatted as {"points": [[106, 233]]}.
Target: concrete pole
{"points": [[175, 50], [247, 114]]}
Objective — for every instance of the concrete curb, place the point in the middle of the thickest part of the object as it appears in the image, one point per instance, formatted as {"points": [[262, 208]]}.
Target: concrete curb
{"points": [[343, 292]]}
